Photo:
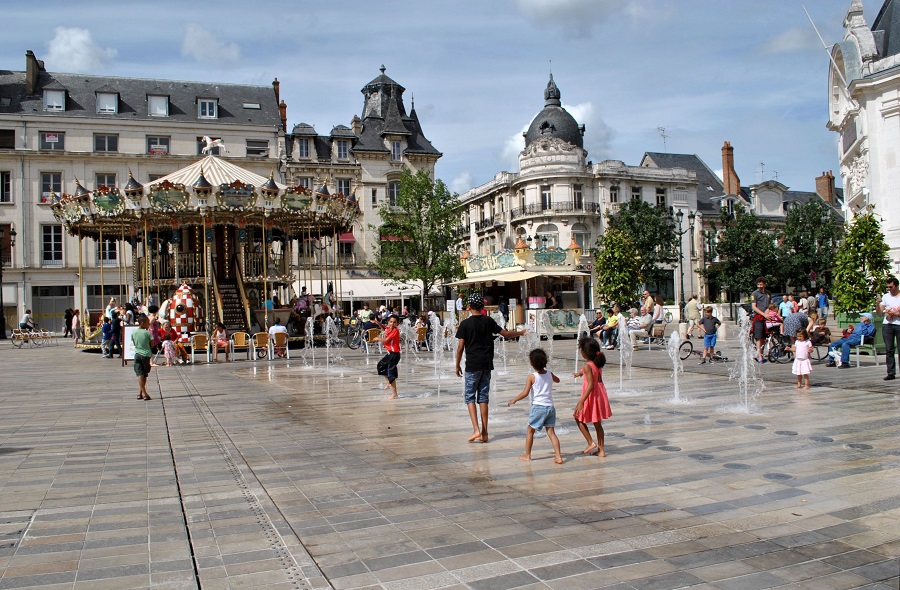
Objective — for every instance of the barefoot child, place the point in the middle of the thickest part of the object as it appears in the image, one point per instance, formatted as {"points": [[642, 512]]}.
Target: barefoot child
{"points": [[476, 339], [543, 413], [169, 350], [593, 405], [802, 365], [387, 366]]}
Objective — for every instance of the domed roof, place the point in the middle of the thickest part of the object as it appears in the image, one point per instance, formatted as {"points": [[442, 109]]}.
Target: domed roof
{"points": [[554, 121]]}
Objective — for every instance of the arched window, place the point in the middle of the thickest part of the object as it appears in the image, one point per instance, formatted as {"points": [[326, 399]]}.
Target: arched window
{"points": [[547, 235], [582, 235], [500, 205]]}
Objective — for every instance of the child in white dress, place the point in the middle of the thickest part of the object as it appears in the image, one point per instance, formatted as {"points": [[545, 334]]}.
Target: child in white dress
{"points": [[169, 350], [802, 365]]}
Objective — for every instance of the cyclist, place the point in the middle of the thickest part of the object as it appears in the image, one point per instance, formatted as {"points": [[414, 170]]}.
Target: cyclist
{"points": [[27, 321]]}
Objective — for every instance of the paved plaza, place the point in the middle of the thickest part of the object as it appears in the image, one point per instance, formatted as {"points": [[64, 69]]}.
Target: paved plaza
{"points": [[288, 476]]}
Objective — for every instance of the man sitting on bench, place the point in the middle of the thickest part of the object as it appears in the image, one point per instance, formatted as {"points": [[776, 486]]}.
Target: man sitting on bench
{"points": [[864, 329]]}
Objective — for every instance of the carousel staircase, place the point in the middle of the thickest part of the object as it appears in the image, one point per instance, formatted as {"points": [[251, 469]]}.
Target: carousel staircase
{"points": [[232, 307]]}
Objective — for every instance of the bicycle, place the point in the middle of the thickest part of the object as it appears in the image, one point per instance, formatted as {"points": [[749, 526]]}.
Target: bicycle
{"points": [[686, 349], [354, 337], [775, 348]]}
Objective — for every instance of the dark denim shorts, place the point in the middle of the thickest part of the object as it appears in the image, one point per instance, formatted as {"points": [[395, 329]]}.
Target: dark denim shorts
{"points": [[478, 384]]}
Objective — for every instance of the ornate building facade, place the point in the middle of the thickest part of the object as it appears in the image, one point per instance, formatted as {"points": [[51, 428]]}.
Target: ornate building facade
{"points": [[864, 109], [63, 133]]}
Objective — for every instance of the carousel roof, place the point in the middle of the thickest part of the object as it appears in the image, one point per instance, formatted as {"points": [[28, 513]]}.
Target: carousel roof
{"points": [[216, 171]]}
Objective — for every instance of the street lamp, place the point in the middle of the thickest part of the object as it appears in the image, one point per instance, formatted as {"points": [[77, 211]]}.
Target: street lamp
{"points": [[12, 244], [679, 217]]}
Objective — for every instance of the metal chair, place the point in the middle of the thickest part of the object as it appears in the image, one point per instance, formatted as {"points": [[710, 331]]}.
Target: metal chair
{"points": [[278, 341], [867, 348], [261, 345], [422, 337], [199, 341], [241, 340], [369, 339]]}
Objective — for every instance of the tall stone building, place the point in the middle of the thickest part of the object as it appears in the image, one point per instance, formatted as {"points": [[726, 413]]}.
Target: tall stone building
{"points": [[864, 109], [62, 133], [363, 161]]}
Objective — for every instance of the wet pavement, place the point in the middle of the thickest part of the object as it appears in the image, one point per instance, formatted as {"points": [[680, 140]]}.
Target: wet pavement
{"points": [[283, 475]]}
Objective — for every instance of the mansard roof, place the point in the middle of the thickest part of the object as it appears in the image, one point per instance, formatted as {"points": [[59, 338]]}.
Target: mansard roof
{"points": [[709, 186], [81, 98], [887, 25]]}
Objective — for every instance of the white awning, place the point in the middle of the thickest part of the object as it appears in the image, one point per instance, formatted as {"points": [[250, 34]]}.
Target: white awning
{"points": [[566, 273], [363, 289], [507, 275]]}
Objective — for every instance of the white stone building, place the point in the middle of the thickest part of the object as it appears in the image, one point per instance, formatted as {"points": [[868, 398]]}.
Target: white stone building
{"points": [[61, 131], [364, 162], [864, 108]]}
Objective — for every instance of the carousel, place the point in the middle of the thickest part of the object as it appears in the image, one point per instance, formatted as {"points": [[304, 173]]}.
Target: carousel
{"points": [[216, 231]]}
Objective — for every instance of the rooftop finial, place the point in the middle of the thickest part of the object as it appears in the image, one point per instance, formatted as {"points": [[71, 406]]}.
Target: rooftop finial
{"points": [[413, 101], [382, 68], [551, 94]]}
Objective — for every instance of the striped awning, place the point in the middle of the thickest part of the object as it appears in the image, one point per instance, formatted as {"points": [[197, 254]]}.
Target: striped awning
{"points": [[216, 171]]}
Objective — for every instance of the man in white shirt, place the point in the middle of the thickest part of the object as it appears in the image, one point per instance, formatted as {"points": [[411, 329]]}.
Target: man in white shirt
{"points": [[889, 305], [459, 303], [277, 328]]}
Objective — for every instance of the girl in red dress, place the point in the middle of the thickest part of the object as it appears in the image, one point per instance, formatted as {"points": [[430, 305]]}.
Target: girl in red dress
{"points": [[593, 405]]}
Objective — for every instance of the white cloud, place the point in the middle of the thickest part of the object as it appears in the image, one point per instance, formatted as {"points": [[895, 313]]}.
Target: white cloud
{"points": [[73, 50], [511, 148], [579, 17], [205, 47], [791, 41], [720, 174], [462, 182]]}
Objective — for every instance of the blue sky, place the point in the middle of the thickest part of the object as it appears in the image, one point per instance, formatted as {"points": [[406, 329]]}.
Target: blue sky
{"points": [[752, 73]]}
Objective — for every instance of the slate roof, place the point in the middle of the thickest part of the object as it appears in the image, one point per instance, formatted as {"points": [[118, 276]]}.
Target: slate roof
{"points": [[888, 23], [708, 184], [554, 120], [81, 99]]}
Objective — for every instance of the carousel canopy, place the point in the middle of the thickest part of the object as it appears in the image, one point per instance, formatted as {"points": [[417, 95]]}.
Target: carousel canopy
{"points": [[209, 192]]}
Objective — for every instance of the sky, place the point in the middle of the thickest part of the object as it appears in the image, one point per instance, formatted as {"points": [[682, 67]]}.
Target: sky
{"points": [[705, 71]]}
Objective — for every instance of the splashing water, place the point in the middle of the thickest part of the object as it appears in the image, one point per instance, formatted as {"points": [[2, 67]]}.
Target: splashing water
{"points": [[584, 329], [498, 317], [677, 366], [450, 339], [528, 341], [626, 352], [437, 350], [331, 341], [408, 338], [548, 331], [309, 342], [746, 371]]}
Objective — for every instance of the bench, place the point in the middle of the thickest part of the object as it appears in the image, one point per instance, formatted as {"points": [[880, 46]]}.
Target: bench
{"points": [[873, 345]]}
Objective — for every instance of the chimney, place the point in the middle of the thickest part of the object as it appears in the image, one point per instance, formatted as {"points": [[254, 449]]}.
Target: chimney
{"points": [[730, 180], [825, 186], [282, 109], [277, 86], [356, 125], [33, 67]]}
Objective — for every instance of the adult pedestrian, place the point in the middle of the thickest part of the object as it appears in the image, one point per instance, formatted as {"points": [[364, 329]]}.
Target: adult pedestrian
{"points": [[761, 298], [476, 338], [793, 323], [889, 305], [142, 355], [822, 300], [76, 327], [692, 310], [67, 320]]}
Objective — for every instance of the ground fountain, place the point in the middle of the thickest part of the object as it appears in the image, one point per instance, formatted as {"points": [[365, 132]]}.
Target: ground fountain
{"points": [[498, 317], [331, 341], [408, 338], [672, 348], [626, 352], [746, 370], [437, 349], [309, 342], [528, 341], [584, 329], [548, 330]]}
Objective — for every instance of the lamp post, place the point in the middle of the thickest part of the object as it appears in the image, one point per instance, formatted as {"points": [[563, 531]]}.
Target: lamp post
{"points": [[12, 244], [679, 217]]}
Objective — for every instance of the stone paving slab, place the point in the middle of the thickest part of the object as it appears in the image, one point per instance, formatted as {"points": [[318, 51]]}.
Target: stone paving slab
{"points": [[284, 475]]}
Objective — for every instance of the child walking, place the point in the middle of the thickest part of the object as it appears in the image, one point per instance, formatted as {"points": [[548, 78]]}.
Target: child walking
{"points": [[543, 413], [169, 350], [387, 366], [802, 365], [593, 405]]}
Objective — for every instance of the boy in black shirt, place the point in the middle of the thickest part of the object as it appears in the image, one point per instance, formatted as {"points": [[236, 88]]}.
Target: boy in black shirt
{"points": [[476, 337]]}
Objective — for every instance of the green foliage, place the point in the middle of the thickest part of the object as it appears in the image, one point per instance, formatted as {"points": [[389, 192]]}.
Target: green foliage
{"points": [[652, 231], [746, 250], [861, 265], [421, 222], [808, 242], [618, 267]]}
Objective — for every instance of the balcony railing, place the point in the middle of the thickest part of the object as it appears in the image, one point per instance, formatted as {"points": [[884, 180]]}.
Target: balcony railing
{"points": [[555, 207]]}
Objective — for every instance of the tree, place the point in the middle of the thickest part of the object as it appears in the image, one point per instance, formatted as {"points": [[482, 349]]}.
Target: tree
{"points": [[618, 267], [808, 242], [652, 231], [417, 239], [745, 248], [861, 265]]}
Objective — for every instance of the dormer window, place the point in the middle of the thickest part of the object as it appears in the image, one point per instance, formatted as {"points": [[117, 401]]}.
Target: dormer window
{"points": [[107, 103], [158, 106], [208, 108], [54, 100], [396, 151], [343, 149]]}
